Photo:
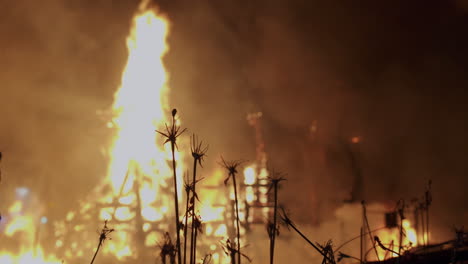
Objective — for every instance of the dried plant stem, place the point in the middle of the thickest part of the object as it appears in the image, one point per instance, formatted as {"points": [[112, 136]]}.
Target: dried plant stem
{"points": [[176, 204], [401, 237], [198, 153], [193, 231], [97, 250], [427, 227], [186, 223], [421, 226], [428, 201], [237, 219], [195, 245], [171, 135], [401, 211], [369, 231], [231, 166], [308, 241], [105, 231], [359, 236], [233, 258], [273, 235]]}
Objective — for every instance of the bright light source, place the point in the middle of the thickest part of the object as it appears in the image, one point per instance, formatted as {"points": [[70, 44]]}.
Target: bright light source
{"points": [[44, 220], [22, 192]]}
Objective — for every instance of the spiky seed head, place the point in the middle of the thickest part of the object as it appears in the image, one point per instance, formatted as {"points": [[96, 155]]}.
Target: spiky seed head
{"points": [[198, 151], [105, 231]]}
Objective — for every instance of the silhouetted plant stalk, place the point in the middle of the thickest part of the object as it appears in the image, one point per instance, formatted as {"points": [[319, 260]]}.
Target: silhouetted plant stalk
{"points": [[103, 236], [272, 228], [187, 212], [327, 249], [369, 231], [401, 211], [381, 245], [287, 221], [359, 236], [197, 228], [171, 135], [428, 201], [231, 167], [342, 256], [198, 153]]}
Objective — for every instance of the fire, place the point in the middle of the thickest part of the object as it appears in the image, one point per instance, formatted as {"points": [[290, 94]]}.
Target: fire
{"points": [[390, 239], [24, 227], [140, 104], [139, 177], [27, 257], [138, 161]]}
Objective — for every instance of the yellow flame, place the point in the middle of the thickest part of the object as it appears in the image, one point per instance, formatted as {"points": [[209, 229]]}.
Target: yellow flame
{"points": [[23, 227], [20, 223], [249, 175], [138, 165], [392, 236], [16, 207], [139, 103], [28, 257]]}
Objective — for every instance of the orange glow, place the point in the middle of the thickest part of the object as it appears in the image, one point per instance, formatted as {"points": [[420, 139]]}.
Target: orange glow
{"points": [[23, 226], [387, 236], [137, 154]]}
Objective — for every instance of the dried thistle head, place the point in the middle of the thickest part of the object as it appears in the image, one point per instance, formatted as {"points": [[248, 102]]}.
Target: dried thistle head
{"points": [[230, 249], [105, 231], [272, 230], [198, 151], [190, 187], [172, 132], [275, 179], [231, 167], [327, 247], [285, 218], [167, 247], [197, 224]]}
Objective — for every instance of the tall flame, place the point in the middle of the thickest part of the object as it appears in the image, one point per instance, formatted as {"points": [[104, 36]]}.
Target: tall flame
{"points": [[138, 167], [139, 102]]}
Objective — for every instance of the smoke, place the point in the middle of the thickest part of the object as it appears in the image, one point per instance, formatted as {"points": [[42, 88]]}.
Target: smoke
{"points": [[391, 74], [376, 73], [61, 62]]}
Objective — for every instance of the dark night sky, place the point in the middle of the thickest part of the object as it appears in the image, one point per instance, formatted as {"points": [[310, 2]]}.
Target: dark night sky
{"points": [[392, 72]]}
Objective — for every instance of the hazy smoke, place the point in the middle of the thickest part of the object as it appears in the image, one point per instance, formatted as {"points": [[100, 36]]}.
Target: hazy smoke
{"points": [[377, 73], [391, 74]]}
